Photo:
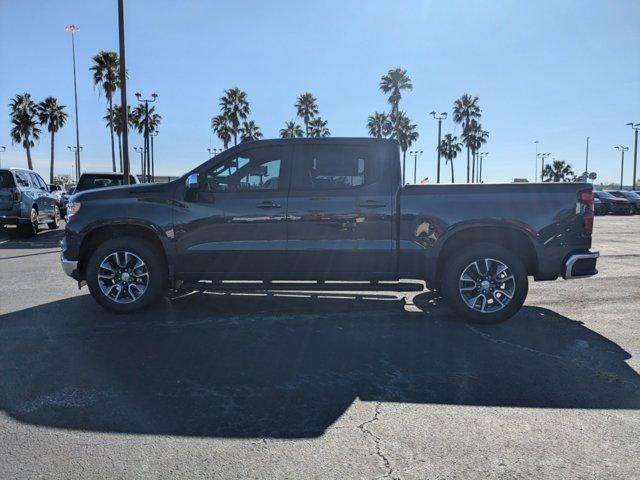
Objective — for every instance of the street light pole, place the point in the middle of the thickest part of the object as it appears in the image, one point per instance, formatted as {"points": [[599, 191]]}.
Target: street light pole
{"points": [[2, 149], [535, 168], [126, 166], [153, 160], [146, 129], [140, 150], [622, 149], [482, 155], [542, 166], [73, 29], [586, 162], [76, 150], [415, 154], [440, 117], [636, 127]]}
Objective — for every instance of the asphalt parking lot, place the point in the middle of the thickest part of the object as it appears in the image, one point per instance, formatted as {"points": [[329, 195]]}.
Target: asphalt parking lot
{"points": [[364, 386]]}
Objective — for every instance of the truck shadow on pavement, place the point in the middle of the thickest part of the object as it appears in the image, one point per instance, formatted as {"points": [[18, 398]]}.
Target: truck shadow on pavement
{"points": [[247, 366]]}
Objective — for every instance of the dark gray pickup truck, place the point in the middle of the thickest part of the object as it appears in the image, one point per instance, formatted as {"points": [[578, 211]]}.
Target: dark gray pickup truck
{"points": [[327, 209]]}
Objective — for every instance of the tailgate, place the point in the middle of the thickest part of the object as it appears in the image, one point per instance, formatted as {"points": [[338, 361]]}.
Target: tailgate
{"points": [[6, 190]]}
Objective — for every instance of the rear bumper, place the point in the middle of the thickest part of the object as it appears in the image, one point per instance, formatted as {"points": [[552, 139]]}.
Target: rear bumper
{"points": [[12, 219], [578, 265]]}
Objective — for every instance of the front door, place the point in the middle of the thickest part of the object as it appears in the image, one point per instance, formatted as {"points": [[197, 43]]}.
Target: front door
{"points": [[234, 227]]}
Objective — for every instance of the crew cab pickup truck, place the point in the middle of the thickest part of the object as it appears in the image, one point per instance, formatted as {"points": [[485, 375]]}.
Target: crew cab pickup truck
{"points": [[327, 209]]}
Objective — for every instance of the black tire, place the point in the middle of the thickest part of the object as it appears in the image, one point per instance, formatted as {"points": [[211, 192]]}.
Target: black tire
{"points": [[155, 265], [55, 223], [451, 285], [30, 229]]}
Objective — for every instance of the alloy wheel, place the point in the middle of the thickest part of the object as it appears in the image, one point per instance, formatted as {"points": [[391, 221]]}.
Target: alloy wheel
{"points": [[487, 285], [123, 277]]}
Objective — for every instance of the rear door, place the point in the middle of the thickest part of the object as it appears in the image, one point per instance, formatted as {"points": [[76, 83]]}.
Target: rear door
{"points": [[235, 227], [340, 220]]}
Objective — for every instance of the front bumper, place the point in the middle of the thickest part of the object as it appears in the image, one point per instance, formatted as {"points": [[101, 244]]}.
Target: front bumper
{"points": [[70, 267], [579, 265]]}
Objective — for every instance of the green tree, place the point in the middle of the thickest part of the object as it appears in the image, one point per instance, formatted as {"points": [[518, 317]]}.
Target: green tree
{"points": [[291, 130], [393, 83], [113, 119], [557, 171], [307, 108], [318, 128], [52, 115], [407, 134], [250, 131], [474, 137], [221, 126], [465, 109], [235, 107], [24, 123], [105, 68], [450, 148], [379, 125]]}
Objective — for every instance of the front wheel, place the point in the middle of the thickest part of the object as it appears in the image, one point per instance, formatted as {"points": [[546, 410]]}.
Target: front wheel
{"points": [[485, 283], [126, 274]]}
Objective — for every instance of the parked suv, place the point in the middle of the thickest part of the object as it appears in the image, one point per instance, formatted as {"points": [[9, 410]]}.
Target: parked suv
{"points": [[633, 197], [25, 201]]}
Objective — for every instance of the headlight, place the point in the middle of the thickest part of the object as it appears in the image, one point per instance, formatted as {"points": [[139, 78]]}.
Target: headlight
{"points": [[73, 208]]}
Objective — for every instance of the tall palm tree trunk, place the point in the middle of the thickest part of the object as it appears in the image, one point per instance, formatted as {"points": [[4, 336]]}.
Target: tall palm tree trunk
{"points": [[120, 150], [404, 165], [306, 127], [473, 167], [113, 148], [452, 179], [28, 148], [51, 169], [468, 166]]}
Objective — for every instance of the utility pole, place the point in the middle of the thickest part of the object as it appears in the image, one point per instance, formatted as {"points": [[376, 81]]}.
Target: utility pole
{"points": [[146, 130], [416, 154], [126, 170], [73, 29], [586, 162], [2, 149], [440, 117], [636, 127], [622, 149]]}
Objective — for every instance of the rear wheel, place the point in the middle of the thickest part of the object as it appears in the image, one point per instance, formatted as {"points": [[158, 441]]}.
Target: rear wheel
{"points": [[30, 229], [485, 283], [126, 274], [55, 223]]}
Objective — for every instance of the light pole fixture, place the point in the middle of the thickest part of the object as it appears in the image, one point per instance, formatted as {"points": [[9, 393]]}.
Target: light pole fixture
{"points": [[215, 151], [439, 117], [416, 154], [535, 168], [153, 159], [126, 167], [636, 127], [146, 102], [2, 149], [140, 150], [73, 29], [586, 161], [76, 149], [543, 155], [481, 156], [621, 149]]}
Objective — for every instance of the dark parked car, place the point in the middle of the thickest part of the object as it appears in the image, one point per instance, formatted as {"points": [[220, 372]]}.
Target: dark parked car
{"points": [[26, 202], [327, 209], [90, 181], [633, 197], [599, 208], [615, 205]]}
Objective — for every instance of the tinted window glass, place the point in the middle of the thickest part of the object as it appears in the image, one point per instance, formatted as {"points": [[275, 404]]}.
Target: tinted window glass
{"points": [[327, 168], [257, 169], [6, 179], [604, 195], [22, 179], [35, 183], [91, 181], [41, 182]]}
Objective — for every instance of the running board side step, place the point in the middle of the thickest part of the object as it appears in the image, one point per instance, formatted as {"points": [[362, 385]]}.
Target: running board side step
{"points": [[302, 286]]}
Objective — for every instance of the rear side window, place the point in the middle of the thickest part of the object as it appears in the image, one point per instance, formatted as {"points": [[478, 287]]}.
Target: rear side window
{"points": [[6, 179], [22, 180], [331, 168]]}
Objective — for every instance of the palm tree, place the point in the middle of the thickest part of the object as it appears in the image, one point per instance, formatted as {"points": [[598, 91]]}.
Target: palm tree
{"points": [[141, 117], [393, 83], [379, 125], [51, 114], [406, 135], [291, 130], [318, 128], [464, 110], [105, 68], [558, 171], [307, 108], [236, 108], [250, 131], [25, 124], [114, 119], [474, 137], [221, 126], [450, 148]]}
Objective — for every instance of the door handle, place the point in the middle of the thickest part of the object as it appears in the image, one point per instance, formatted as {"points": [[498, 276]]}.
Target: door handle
{"points": [[268, 204], [372, 204]]}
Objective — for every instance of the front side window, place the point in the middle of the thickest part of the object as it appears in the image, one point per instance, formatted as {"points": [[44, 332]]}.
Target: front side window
{"points": [[321, 168], [252, 170], [34, 181]]}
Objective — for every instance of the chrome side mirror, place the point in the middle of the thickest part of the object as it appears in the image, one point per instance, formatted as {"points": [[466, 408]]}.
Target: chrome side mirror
{"points": [[192, 182]]}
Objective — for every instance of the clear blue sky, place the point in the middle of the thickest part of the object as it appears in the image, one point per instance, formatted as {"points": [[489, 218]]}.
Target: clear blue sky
{"points": [[554, 71]]}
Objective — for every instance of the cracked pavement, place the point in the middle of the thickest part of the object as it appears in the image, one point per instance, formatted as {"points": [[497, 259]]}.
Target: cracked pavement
{"points": [[364, 386]]}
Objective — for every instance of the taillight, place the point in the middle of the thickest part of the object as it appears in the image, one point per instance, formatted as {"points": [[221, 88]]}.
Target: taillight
{"points": [[17, 195], [586, 198]]}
